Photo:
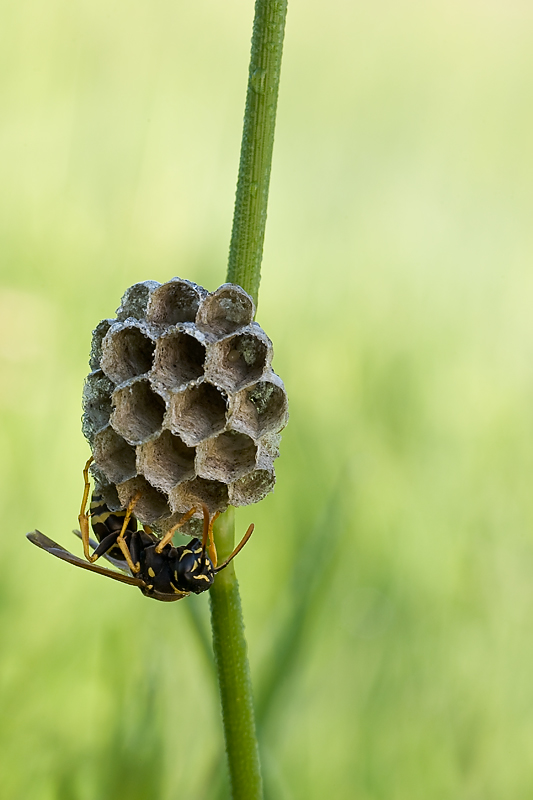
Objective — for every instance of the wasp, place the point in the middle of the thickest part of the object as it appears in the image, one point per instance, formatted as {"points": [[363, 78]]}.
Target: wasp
{"points": [[156, 567]]}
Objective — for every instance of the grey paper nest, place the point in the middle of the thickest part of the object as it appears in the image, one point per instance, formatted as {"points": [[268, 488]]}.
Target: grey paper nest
{"points": [[182, 402]]}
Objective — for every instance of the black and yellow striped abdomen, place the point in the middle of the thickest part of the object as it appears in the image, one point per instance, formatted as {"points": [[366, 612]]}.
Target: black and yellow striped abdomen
{"points": [[105, 522]]}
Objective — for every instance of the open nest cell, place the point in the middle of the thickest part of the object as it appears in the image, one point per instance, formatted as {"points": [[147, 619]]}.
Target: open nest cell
{"points": [[152, 504], [239, 360], [227, 457], [114, 457], [198, 413], [173, 302], [179, 359], [226, 310], [193, 493], [166, 461], [127, 353], [261, 409], [138, 412]]}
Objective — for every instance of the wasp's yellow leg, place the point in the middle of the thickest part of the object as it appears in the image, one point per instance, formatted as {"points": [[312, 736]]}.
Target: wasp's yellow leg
{"points": [[212, 550], [120, 539], [170, 533], [83, 518]]}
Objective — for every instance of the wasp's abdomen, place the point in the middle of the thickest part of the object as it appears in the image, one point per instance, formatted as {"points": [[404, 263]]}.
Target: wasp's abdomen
{"points": [[104, 521]]}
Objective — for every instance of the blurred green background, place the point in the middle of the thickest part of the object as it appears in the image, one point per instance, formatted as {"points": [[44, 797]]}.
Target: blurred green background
{"points": [[397, 287]]}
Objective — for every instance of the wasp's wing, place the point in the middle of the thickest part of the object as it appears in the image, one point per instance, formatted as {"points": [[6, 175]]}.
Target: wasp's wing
{"points": [[114, 561], [42, 541]]}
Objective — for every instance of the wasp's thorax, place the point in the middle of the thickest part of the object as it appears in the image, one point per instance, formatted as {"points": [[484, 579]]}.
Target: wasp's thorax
{"points": [[174, 571]]}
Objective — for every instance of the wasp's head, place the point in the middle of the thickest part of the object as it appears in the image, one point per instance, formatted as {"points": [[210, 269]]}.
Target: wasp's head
{"points": [[193, 571]]}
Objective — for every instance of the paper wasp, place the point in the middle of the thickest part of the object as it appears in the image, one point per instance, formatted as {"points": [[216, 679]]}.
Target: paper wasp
{"points": [[157, 568]]}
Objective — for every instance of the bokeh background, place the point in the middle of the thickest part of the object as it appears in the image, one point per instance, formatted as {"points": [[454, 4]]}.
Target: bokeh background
{"points": [[388, 591]]}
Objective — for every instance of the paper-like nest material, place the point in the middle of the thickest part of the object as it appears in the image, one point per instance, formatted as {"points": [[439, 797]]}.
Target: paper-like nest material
{"points": [[182, 402]]}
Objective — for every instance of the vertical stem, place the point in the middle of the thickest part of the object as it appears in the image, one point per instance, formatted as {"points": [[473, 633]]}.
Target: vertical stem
{"points": [[244, 268], [229, 645], [249, 220]]}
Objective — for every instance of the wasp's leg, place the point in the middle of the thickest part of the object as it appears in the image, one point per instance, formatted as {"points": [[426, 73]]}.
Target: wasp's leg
{"points": [[83, 518], [135, 547], [106, 544], [120, 538], [212, 550], [170, 533]]}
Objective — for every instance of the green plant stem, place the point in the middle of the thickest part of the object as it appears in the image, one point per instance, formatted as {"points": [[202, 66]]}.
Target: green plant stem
{"points": [[244, 268], [249, 220], [231, 660]]}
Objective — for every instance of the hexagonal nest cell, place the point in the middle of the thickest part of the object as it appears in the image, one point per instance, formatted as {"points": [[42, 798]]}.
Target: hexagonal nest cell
{"points": [[166, 462], [182, 404], [240, 360], [198, 413], [227, 457], [114, 457], [135, 300], [179, 359], [138, 413], [175, 301], [226, 310], [127, 353], [213, 493], [261, 409], [152, 504]]}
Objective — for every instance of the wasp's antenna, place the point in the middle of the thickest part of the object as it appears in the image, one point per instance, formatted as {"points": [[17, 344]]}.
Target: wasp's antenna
{"points": [[237, 549]]}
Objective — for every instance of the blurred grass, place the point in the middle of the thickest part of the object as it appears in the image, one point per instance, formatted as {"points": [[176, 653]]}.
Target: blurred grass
{"points": [[397, 287]]}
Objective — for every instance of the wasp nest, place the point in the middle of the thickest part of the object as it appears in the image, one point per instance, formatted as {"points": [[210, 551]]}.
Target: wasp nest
{"points": [[182, 403]]}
